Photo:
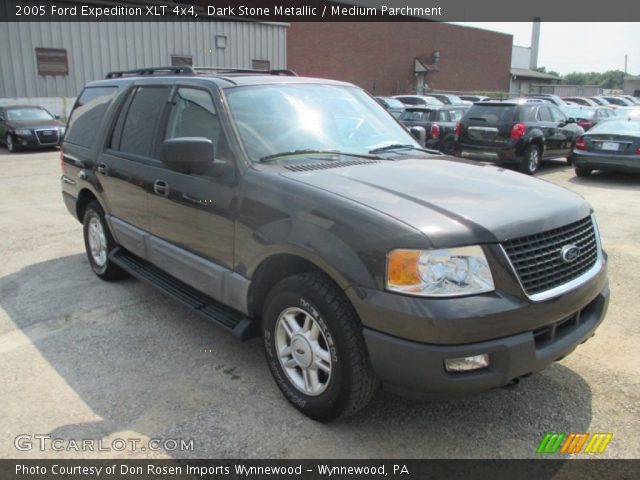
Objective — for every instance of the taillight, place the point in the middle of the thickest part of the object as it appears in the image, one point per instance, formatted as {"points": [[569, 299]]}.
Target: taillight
{"points": [[638, 151], [580, 144], [435, 130], [458, 129], [517, 131], [585, 124]]}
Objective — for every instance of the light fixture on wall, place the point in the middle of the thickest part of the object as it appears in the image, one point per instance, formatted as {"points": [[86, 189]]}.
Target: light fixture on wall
{"points": [[436, 57], [221, 41]]}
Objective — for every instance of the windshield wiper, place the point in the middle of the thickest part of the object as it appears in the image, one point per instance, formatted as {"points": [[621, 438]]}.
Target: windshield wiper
{"points": [[319, 152], [399, 146]]}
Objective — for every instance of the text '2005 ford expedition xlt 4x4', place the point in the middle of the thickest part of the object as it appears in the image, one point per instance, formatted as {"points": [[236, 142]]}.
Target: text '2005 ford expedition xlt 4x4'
{"points": [[299, 210]]}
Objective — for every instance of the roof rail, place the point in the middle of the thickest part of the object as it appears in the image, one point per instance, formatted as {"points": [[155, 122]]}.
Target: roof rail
{"points": [[286, 72], [183, 70]]}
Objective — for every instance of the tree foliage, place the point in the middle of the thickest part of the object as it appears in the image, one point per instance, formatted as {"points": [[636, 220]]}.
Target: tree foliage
{"points": [[608, 79]]}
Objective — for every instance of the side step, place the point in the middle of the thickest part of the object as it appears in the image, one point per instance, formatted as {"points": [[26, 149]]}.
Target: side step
{"points": [[229, 319]]}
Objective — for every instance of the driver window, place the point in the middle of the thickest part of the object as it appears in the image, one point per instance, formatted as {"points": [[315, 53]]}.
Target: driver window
{"points": [[193, 114]]}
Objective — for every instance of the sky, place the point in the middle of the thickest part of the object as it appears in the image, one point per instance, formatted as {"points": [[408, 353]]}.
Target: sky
{"points": [[576, 46]]}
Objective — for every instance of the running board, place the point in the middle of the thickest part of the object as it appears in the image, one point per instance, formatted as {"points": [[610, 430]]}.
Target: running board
{"points": [[229, 319]]}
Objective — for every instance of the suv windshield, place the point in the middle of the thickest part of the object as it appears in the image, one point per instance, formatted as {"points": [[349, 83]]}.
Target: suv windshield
{"points": [[274, 119], [28, 114]]}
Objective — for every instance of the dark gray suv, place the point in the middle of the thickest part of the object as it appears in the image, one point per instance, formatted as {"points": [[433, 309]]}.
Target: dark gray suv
{"points": [[298, 210]]}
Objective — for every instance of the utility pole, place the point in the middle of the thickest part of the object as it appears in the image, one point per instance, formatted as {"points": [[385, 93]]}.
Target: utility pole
{"points": [[625, 64]]}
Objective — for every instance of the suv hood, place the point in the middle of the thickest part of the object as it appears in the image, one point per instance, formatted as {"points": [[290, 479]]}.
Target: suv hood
{"points": [[453, 202]]}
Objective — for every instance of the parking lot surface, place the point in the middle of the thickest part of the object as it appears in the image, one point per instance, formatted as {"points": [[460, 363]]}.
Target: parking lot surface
{"points": [[86, 359]]}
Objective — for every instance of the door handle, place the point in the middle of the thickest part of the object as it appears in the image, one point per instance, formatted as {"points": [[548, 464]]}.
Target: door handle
{"points": [[103, 169], [160, 187]]}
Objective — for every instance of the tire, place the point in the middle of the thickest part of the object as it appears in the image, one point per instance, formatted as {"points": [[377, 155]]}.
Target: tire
{"points": [[8, 141], [332, 345], [448, 147], [582, 171], [531, 160], [98, 242]]}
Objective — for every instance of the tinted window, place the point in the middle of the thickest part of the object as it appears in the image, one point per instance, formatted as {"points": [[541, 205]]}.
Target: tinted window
{"points": [[528, 113], [443, 116], [544, 115], [411, 100], [140, 126], [193, 114], [491, 113], [557, 115], [86, 118]]}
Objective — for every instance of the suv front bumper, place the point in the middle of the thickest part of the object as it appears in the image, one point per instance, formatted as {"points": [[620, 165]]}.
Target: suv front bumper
{"points": [[417, 370]]}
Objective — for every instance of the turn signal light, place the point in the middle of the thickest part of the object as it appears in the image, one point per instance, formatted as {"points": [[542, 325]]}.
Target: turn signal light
{"points": [[402, 267]]}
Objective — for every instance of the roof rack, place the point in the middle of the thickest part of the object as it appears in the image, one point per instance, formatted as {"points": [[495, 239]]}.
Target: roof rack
{"points": [[286, 72], [183, 70]]}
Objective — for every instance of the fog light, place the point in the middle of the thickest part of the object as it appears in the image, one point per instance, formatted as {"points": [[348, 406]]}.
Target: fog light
{"points": [[467, 363]]}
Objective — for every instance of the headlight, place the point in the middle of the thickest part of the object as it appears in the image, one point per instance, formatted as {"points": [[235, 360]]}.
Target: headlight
{"points": [[62, 130], [447, 272], [23, 132]]}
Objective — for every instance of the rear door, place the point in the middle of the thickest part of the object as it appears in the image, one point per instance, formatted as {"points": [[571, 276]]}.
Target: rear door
{"points": [[123, 167]]}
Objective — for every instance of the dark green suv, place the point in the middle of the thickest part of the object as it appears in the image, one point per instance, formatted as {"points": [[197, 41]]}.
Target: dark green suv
{"points": [[519, 132], [299, 210]]}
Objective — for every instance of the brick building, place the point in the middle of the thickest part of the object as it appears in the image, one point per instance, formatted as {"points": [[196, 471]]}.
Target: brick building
{"points": [[399, 57]]}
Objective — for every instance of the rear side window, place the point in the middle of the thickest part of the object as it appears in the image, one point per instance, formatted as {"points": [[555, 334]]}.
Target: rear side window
{"points": [[137, 125], [544, 115], [86, 118]]}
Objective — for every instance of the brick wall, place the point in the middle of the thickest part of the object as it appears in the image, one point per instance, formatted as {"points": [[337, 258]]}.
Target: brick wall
{"points": [[379, 57]]}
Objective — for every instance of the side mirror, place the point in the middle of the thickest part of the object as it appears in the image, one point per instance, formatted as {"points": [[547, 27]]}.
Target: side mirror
{"points": [[571, 120], [57, 117], [188, 154], [420, 134]]}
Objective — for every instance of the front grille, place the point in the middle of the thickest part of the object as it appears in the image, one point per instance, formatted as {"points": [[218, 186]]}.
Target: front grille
{"points": [[47, 136], [537, 258]]}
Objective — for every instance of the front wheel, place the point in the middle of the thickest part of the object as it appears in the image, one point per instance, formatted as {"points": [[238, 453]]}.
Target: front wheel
{"points": [[315, 348], [531, 160], [9, 143]]}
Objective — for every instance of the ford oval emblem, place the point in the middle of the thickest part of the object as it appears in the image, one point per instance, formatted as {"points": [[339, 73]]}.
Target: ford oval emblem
{"points": [[569, 253]]}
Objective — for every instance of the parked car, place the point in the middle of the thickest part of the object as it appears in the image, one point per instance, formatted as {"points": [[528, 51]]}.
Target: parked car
{"points": [[418, 100], [628, 112], [601, 101], [611, 145], [555, 99], [29, 127], [394, 106], [587, 117], [474, 98], [517, 132], [619, 101], [632, 99], [439, 123], [581, 101], [298, 210], [448, 98]]}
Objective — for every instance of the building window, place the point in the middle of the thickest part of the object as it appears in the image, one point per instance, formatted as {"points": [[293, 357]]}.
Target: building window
{"points": [[52, 61], [221, 41], [181, 61], [260, 64]]}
